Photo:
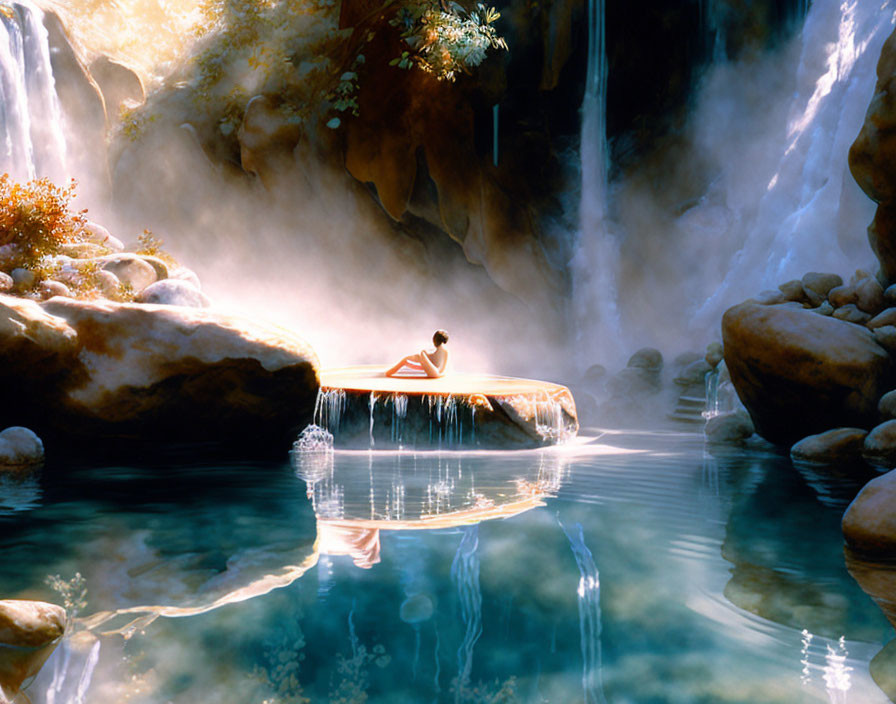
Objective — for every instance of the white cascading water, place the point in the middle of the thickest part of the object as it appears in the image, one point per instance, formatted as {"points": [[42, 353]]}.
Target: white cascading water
{"points": [[812, 216], [596, 261], [32, 142]]}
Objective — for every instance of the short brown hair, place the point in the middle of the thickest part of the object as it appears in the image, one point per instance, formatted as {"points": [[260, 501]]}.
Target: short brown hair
{"points": [[439, 337]]}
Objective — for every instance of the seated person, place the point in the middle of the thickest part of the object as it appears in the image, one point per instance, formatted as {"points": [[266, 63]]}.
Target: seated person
{"points": [[432, 362]]}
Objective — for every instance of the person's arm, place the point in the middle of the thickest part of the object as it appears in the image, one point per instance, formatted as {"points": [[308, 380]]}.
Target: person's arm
{"points": [[430, 369]]}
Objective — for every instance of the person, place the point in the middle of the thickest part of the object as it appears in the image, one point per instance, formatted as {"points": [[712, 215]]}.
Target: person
{"points": [[432, 362]]}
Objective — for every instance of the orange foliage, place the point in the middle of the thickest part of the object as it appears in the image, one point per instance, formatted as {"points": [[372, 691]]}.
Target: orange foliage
{"points": [[35, 216]]}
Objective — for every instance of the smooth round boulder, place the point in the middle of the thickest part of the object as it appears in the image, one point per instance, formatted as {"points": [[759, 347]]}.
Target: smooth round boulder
{"points": [[769, 298], [841, 445], [49, 288], [890, 295], [800, 374], [715, 353], [887, 317], [886, 337], [6, 282], [821, 283], [29, 632], [22, 279], [173, 292], [824, 309], [880, 446], [887, 406], [870, 296], [108, 283], [842, 295], [850, 313], [693, 374], [729, 428], [869, 524], [158, 264], [646, 358], [793, 291], [130, 269], [189, 276], [20, 447]]}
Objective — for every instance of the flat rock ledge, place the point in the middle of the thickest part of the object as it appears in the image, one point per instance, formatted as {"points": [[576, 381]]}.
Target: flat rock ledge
{"points": [[81, 371], [29, 633], [363, 408]]}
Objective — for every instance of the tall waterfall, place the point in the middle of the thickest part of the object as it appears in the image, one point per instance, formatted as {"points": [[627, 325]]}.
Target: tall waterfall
{"points": [[809, 214], [32, 143], [596, 262]]}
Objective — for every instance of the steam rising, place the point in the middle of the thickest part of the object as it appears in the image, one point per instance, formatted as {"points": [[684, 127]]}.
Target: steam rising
{"points": [[754, 192]]}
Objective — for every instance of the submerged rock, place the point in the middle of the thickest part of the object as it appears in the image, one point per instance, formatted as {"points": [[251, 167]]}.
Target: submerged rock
{"points": [[886, 337], [869, 524], [6, 282], [883, 667], [841, 445], [799, 374], [29, 633], [20, 448], [148, 371]]}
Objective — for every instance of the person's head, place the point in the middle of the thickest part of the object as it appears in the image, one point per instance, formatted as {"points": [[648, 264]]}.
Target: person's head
{"points": [[440, 337]]}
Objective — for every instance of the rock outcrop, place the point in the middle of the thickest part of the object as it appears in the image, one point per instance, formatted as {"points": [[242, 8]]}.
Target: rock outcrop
{"points": [[93, 370], [872, 160], [799, 373], [29, 632]]}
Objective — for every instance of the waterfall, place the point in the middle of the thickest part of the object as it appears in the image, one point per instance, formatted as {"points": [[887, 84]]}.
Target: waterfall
{"points": [[596, 261], [32, 143], [810, 216]]}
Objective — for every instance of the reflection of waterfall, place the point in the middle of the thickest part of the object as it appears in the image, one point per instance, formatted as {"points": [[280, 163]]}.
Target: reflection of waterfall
{"points": [[31, 139], [811, 215], [465, 573], [70, 684], [596, 261], [589, 615]]}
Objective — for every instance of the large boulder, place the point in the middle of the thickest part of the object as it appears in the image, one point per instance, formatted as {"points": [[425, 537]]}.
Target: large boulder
{"points": [[799, 374], [872, 160], [29, 632], [83, 370], [869, 524]]}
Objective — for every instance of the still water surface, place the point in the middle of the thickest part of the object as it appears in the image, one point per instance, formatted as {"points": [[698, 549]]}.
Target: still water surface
{"points": [[624, 568]]}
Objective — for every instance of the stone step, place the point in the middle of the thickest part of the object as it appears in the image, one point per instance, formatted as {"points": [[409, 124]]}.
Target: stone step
{"points": [[688, 418], [692, 400]]}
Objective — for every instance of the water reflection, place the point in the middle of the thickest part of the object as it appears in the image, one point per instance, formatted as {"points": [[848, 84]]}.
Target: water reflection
{"points": [[365, 493]]}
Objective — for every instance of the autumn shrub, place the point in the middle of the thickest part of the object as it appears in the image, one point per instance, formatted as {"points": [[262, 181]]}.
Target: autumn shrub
{"points": [[36, 217]]}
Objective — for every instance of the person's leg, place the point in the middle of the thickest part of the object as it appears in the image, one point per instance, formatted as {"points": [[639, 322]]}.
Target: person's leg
{"points": [[413, 359]]}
